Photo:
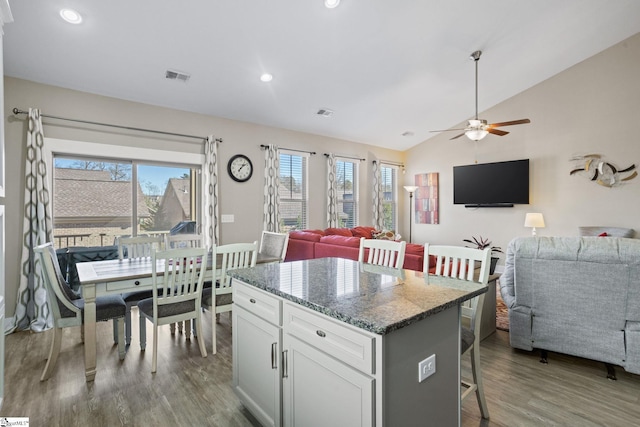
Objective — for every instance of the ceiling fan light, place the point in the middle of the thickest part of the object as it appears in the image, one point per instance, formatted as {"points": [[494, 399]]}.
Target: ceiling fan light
{"points": [[476, 134]]}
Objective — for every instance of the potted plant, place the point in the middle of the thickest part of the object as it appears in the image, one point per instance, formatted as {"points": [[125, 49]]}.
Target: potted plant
{"points": [[483, 243]]}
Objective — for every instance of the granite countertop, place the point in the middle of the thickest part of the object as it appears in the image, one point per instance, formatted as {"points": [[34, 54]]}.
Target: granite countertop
{"points": [[376, 299]]}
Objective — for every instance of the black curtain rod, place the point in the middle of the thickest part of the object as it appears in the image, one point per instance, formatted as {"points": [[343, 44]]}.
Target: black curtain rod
{"points": [[264, 147], [18, 111], [346, 157], [386, 162]]}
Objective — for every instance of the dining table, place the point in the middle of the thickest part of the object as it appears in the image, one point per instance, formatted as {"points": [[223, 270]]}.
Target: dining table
{"points": [[108, 277]]}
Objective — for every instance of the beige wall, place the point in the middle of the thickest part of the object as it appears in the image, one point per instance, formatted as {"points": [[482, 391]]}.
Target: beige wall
{"points": [[593, 107], [244, 201]]}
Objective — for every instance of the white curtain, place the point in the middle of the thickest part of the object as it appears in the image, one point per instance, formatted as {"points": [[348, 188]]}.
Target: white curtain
{"points": [[32, 309], [271, 215], [378, 197], [211, 229], [332, 192]]}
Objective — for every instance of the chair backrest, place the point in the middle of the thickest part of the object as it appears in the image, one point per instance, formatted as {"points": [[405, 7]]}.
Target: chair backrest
{"points": [[138, 247], [465, 264], [234, 255], [60, 294], [180, 283], [181, 241], [274, 244], [388, 253]]}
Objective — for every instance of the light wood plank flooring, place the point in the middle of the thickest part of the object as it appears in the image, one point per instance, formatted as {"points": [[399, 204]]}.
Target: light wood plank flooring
{"points": [[190, 391]]}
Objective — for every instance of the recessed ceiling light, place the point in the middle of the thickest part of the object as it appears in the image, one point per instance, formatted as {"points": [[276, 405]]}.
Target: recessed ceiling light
{"points": [[330, 4], [266, 77], [71, 16]]}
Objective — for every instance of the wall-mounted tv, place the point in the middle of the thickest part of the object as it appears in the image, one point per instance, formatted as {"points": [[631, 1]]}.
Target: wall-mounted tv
{"points": [[500, 184]]}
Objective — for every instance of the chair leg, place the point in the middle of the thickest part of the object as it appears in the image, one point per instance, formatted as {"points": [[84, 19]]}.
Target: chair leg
{"points": [[122, 350], [214, 315], [143, 333], [115, 333], [154, 363], [477, 380], [54, 351], [180, 328], [172, 328], [187, 329], [127, 325], [198, 330]]}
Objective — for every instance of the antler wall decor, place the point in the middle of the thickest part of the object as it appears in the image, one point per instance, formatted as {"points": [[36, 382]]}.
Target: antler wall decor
{"points": [[602, 172]]}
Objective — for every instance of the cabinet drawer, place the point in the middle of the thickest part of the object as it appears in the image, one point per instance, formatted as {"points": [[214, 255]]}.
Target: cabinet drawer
{"points": [[258, 302], [330, 336]]}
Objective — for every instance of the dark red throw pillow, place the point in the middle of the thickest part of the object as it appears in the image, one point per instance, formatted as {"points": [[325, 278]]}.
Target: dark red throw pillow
{"points": [[338, 232], [603, 234]]}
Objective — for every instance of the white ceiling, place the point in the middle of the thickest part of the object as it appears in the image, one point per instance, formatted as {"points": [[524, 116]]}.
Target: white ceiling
{"points": [[384, 67]]}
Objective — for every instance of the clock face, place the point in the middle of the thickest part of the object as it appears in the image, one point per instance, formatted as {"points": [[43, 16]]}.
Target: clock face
{"points": [[240, 168]]}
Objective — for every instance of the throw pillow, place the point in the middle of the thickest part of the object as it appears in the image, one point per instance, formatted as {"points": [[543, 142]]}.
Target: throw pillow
{"points": [[338, 231], [384, 235], [604, 234], [360, 231]]}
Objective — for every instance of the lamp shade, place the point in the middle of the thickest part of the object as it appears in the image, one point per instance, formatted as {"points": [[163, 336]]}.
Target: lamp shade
{"points": [[410, 188], [535, 220], [476, 134]]}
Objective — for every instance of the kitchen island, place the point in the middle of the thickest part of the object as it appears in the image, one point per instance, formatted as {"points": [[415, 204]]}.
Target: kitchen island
{"points": [[330, 341]]}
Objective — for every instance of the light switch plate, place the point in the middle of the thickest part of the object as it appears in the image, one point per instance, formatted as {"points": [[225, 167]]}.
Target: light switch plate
{"points": [[227, 218], [426, 368]]}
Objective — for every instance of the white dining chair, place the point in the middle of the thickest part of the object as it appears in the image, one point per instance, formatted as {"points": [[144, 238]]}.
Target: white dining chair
{"points": [[132, 248], [218, 298], [274, 244], [67, 307], [388, 253], [471, 265], [179, 241], [176, 293]]}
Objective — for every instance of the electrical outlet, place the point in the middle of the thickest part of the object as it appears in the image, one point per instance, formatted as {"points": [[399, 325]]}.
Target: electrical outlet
{"points": [[426, 368]]}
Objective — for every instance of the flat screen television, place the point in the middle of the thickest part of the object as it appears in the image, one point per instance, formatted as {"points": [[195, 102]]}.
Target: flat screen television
{"points": [[500, 184]]}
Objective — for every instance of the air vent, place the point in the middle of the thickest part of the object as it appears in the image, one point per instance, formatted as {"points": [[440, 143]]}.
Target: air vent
{"points": [[407, 133], [325, 112], [177, 75]]}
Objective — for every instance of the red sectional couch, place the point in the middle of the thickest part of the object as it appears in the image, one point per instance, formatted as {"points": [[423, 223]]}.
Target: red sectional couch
{"points": [[343, 243]]}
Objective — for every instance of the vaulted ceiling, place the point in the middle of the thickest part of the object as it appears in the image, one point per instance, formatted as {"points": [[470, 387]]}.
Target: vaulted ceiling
{"points": [[384, 67]]}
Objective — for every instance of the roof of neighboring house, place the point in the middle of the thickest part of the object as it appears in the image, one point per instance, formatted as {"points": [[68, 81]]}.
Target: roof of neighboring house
{"points": [[87, 193], [180, 188]]}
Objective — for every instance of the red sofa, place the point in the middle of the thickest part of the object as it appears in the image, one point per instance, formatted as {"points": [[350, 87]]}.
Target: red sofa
{"points": [[343, 243]]}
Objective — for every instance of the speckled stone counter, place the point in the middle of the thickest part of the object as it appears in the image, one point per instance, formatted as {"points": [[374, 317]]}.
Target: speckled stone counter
{"points": [[376, 299]]}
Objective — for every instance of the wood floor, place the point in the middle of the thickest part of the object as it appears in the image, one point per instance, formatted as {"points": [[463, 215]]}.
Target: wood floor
{"points": [[189, 390]]}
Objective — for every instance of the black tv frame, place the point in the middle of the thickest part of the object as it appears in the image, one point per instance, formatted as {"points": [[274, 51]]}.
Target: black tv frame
{"points": [[478, 167]]}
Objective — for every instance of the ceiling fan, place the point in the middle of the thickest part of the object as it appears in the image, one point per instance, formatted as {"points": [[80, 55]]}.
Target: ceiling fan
{"points": [[478, 128]]}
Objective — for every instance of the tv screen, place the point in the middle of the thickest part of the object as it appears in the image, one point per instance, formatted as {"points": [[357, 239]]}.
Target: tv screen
{"points": [[497, 184]]}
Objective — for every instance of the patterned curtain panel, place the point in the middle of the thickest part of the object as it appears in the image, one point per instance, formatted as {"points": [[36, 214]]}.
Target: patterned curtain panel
{"points": [[32, 309], [211, 230], [271, 216], [332, 192], [378, 197]]}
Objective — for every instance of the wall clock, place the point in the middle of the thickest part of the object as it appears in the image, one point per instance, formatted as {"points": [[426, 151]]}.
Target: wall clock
{"points": [[240, 168]]}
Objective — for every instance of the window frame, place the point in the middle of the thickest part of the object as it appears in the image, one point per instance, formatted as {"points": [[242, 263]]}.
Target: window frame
{"points": [[54, 147], [304, 186], [355, 185]]}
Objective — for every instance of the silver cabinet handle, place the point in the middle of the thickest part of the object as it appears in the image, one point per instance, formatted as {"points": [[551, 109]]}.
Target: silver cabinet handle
{"points": [[321, 333], [285, 364], [274, 355]]}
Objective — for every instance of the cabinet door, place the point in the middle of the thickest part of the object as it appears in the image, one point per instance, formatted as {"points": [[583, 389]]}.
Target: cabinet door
{"points": [[318, 390], [256, 366]]}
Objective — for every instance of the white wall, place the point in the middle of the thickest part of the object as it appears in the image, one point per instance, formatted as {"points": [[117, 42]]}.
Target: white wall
{"points": [[592, 107], [244, 201]]}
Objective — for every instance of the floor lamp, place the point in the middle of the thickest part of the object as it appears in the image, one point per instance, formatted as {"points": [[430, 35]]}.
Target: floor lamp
{"points": [[411, 189]]}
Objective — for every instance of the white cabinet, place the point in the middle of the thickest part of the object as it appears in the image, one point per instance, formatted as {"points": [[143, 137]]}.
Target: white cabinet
{"points": [[256, 366], [320, 391]]}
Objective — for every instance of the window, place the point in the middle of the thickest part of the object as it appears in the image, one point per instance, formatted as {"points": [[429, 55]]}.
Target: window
{"points": [[96, 200], [390, 196], [347, 183], [293, 191]]}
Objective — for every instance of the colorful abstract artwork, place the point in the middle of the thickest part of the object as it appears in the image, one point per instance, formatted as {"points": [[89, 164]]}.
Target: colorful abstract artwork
{"points": [[427, 198]]}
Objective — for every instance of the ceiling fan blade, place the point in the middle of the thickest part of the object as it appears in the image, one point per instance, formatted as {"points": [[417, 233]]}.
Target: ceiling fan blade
{"points": [[447, 130], [457, 136], [511, 123], [497, 132]]}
